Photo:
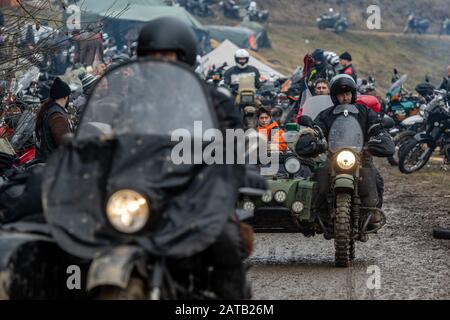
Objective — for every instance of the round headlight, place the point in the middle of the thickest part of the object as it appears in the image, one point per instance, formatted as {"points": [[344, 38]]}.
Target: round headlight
{"points": [[268, 197], [297, 207], [249, 206], [280, 196], [127, 211], [346, 160], [292, 165]]}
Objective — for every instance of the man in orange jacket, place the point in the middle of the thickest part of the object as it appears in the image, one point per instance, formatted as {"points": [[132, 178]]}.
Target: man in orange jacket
{"points": [[271, 130]]}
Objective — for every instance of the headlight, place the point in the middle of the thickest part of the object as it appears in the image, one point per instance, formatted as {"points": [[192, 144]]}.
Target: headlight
{"points": [[267, 198], [297, 207], [292, 165], [127, 211], [249, 206], [346, 160], [280, 196], [319, 19]]}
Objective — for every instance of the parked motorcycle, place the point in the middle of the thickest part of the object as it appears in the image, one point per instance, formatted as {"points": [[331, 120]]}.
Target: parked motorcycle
{"points": [[199, 8], [247, 102], [215, 75], [415, 24], [367, 87], [416, 152], [334, 21], [231, 9]]}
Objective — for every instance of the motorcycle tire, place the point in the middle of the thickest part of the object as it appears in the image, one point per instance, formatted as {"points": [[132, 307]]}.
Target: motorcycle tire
{"points": [[404, 152], [399, 140], [342, 230], [134, 291]]}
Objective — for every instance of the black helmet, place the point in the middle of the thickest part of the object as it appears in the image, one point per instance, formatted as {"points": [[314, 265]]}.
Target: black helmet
{"points": [[168, 34], [341, 84]]}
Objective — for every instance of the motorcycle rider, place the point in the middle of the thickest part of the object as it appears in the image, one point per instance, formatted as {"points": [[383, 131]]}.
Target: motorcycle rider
{"points": [[321, 70], [169, 39], [348, 68], [321, 88], [445, 84], [52, 121], [242, 68], [343, 90], [270, 129]]}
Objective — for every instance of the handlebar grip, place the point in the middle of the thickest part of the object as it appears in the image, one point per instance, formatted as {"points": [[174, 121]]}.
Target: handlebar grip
{"points": [[441, 233]]}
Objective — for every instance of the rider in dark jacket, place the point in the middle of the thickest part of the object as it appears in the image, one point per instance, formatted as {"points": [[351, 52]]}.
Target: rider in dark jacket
{"points": [[169, 39], [445, 84], [343, 90]]}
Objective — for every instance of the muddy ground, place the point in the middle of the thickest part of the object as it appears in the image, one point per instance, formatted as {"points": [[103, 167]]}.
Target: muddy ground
{"points": [[410, 263]]}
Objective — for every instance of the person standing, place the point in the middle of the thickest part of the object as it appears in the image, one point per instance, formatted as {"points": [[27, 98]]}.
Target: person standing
{"points": [[347, 66]]}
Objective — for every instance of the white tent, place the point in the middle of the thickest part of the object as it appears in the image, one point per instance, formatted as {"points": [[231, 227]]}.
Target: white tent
{"points": [[225, 53]]}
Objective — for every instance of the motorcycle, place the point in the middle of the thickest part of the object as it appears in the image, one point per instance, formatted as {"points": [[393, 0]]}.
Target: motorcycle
{"points": [[367, 87], [295, 202], [400, 104], [333, 21], [139, 226], [199, 8], [416, 152], [417, 25], [231, 9], [215, 75]]}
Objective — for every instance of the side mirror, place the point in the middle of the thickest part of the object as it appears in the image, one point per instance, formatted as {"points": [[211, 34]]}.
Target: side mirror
{"points": [[331, 10], [305, 121], [387, 123], [395, 71]]}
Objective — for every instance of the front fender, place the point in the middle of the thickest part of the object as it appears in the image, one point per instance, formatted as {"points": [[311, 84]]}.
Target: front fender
{"points": [[114, 267], [344, 182]]}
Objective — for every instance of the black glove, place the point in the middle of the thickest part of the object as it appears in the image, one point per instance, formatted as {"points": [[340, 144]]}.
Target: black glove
{"points": [[381, 145], [310, 146]]}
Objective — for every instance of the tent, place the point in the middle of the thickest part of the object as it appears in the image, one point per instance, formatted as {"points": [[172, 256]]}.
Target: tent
{"points": [[243, 37], [225, 53], [262, 38]]}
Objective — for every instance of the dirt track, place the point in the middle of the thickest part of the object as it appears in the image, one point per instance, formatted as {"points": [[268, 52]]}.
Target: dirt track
{"points": [[411, 263]]}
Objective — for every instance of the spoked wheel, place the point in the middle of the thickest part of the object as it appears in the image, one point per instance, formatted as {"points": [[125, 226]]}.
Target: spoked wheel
{"points": [[413, 156], [342, 230], [134, 291], [400, 139]]}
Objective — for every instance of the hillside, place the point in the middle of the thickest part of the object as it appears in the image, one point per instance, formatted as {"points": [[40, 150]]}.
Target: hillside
{"points": [[374, 52], [394, 13]]}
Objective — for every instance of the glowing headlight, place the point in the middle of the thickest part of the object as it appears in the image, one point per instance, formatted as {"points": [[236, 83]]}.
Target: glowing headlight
{"points": [[292, 165], [280, 196], [346, 160], [249, 206], [127, 211], [297, 207], [267, 197]]}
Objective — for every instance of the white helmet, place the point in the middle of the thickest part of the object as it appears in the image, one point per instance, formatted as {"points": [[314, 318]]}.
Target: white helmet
{"points": [[242, 54]]}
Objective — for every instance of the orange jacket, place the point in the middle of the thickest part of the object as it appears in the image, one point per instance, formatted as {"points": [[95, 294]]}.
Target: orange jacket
{"points": [[274, 138]]}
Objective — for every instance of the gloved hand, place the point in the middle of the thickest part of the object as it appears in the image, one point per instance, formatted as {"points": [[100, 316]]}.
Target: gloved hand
{"points": [[381, 145], [310, 145]]}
